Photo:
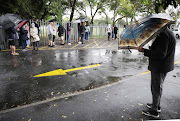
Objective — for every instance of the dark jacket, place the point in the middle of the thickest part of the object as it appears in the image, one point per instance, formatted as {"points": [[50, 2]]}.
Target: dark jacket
{"points": [[23, 34], [161, 53], [61, 30], [82, 29], [115, 30], [11, 34]]}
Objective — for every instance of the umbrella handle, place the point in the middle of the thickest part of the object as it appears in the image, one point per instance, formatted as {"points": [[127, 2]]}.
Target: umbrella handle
{"points": [[129, 50]]}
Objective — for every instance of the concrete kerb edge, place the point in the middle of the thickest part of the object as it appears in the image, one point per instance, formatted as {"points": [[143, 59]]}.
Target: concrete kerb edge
{"points": [[68, 95]]}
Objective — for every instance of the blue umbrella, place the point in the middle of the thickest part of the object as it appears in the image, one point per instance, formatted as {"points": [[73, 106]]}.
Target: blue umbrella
{"points": [[140, 33]]}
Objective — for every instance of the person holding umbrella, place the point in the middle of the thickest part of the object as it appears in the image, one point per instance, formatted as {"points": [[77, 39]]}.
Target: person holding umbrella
{"points": [[161, 61], [12, 37]]}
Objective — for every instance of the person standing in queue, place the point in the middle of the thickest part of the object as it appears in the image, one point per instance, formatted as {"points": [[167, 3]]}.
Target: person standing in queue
{"points": [[82, 31], [50, 33], [61, 31], [161, 61]]}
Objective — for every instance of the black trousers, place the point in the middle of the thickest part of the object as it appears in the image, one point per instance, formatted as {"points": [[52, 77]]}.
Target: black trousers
{"points": [[109, 34], [157, 80]]}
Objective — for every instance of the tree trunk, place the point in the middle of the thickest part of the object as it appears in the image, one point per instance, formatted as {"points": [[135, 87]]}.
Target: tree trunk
{"points": [[72, 10]]}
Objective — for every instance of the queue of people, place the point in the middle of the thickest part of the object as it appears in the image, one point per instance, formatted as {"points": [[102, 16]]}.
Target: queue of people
{"points": [[30, 34]]}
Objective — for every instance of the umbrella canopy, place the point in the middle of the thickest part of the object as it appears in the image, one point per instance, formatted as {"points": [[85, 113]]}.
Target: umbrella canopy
{"points": [[81, 19], [53, 20], [9, 20], [22, 23], [140, 33]]}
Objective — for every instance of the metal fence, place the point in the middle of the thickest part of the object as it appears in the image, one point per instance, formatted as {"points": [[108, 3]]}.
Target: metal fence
{"points": [[97, 32]]}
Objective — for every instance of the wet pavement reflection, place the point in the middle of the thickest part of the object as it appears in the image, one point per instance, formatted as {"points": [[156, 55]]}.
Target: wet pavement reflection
{"points": [[18, 86]]}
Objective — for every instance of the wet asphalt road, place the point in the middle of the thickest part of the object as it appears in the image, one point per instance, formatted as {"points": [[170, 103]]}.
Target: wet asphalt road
{"points": [[18, 86]]}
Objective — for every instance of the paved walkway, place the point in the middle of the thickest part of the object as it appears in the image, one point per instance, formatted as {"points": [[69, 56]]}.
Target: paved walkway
{"points": [[120, 101]]}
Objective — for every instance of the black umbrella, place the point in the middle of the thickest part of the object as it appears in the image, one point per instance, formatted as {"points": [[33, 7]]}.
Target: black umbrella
{"points": [[53, 20], [9, 20]]}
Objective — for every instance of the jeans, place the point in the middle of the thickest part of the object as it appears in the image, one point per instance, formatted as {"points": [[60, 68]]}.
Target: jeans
{"points": [[23, 44], [68, 38], [86, 35], [157, 79], [109, 34]]}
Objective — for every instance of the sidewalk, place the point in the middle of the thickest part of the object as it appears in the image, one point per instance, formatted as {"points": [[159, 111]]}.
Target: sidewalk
{"points": [[121, 101]]}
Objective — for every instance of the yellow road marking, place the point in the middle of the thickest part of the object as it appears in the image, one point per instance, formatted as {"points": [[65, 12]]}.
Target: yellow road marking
{"points": [[98, 43], [88, 45], [104, 44], [150, 71], [75, 46], [63, 72], [111, 43], [176, 62], [95, 43]]}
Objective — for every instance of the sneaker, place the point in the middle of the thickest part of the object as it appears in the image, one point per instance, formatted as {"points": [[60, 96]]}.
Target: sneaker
{"points": [[79, 42], [69, 43], [151, 113], [24, 50], [150, 105]]}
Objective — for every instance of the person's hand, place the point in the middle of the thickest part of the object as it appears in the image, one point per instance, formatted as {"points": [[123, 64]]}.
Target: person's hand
{"points": [[140, 49]]}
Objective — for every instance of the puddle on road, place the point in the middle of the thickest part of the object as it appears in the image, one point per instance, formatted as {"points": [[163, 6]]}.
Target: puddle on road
{"points": [[110, 80]]}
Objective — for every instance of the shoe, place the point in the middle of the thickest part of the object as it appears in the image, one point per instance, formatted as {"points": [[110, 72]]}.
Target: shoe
{"points": [[48, 45], [150, 105], [69, 43], [151, 113], [79, 42], [24, 50], [83, 43]]}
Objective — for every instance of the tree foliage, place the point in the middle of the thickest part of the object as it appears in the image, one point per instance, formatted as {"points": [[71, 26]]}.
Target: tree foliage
{"points": [[42, 9]]}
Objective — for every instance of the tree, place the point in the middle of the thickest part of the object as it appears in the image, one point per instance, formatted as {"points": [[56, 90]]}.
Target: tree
{"points": [[97, 5]]}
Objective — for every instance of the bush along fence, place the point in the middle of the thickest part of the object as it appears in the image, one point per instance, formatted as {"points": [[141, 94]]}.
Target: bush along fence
{"points": [[97, 32]]}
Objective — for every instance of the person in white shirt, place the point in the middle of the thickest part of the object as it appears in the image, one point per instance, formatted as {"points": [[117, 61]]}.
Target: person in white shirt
{"points": [[109, 30], [50, 33]]}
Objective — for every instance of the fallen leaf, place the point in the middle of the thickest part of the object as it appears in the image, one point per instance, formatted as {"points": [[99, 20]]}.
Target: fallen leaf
{"points": [[29, 120], [176, 113], [132, 105], [105, 99], [63, 116], [124, 110], [122, 116], [52, 93], [140, 104], [94, 100], [73, 112], [58, 92]]}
